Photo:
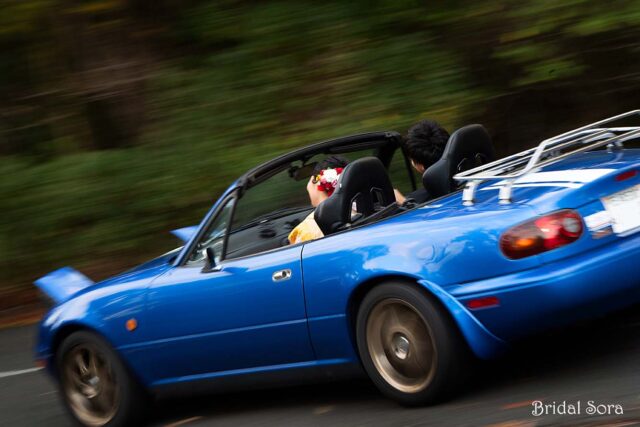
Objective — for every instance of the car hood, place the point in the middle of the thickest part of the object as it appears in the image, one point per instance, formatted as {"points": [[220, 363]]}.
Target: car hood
{"points": [[65, 283]]}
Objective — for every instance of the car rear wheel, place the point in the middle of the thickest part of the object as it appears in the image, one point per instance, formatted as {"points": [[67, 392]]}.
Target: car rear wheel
{"points": [[409, 345], [96, 388]]}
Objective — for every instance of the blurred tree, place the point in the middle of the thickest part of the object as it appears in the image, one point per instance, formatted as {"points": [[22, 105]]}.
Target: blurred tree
{"points": [[75, 70]]}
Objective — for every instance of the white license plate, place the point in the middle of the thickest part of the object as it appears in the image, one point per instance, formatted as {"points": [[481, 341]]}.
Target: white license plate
{"points": [[624, 208]]}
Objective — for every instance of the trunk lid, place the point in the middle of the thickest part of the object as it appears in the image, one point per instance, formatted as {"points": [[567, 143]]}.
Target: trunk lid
{"points": [[604, 187]]}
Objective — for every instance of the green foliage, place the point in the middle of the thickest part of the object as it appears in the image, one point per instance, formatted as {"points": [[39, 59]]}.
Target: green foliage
{"points": [[125, 119]]}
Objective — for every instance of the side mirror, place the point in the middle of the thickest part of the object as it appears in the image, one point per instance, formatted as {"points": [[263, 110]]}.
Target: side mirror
{"points": [[210, 264]]}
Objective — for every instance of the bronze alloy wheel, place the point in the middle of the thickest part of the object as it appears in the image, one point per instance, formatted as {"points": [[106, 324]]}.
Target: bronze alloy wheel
{"points": [[401, 345], [90, 385]]}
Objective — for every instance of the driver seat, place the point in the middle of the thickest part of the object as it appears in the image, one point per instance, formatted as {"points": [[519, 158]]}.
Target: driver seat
{"points": [[364, 182], [468, 147]]}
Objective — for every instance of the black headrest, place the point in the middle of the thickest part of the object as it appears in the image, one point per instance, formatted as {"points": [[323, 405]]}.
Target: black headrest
{"points": [[467, 148], [365, 182]]}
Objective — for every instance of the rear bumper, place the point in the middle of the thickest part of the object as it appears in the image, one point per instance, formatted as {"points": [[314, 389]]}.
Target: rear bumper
{"points": [[558, 293]]}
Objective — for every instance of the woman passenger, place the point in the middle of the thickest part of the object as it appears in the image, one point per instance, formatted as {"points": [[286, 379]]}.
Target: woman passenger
{"points": [[321, 185]]}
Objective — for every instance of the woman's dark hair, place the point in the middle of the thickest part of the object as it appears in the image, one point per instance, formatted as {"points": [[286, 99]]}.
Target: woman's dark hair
{"points": [[425, 142], [330, 162]]}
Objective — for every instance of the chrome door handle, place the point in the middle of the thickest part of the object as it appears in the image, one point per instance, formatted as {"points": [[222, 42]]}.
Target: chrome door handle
{"points": [[281, 275]]}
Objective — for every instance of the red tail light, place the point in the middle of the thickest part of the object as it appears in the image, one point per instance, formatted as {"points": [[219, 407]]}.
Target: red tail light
{"points": [[542, 234]]}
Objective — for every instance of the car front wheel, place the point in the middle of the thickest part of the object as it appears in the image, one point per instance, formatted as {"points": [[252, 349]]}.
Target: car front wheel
{"points": [[409, 345], [96, 387]]}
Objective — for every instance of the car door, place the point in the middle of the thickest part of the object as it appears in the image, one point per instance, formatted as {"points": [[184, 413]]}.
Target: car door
{"points": [[242, 315]]}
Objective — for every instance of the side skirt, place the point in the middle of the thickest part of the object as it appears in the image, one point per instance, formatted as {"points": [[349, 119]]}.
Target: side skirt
{"points": [[259, 378]]}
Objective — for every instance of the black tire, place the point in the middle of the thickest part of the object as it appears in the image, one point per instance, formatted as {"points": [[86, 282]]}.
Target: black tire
{"points": [[117, 385], [385, 342]]}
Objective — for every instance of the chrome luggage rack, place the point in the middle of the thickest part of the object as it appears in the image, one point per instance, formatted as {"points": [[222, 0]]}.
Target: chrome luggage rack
{"points": [[510, 168]]}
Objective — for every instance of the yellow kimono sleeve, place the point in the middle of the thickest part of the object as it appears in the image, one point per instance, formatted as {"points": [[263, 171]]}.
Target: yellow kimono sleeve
{"points": [[307, 230]]}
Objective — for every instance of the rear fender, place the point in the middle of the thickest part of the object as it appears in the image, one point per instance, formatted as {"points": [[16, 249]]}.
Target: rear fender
{"points": [[483, 343]]}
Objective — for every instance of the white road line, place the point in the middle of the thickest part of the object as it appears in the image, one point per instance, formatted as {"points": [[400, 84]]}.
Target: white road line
{"points": [[20, 372]]}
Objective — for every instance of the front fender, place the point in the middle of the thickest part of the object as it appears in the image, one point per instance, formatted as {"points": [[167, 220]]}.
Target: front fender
{"points": [[105, 311], [57, 324]]}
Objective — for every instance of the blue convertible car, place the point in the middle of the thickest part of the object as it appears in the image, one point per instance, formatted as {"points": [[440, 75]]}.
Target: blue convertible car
{"points": [[503, 249]]}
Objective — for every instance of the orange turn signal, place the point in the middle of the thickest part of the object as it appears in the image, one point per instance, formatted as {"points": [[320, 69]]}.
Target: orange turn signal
{"points": [[131, 324], [525, 243]]}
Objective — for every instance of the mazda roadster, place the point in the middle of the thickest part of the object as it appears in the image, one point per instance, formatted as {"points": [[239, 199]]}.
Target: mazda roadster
{"points": [[408, 294]]}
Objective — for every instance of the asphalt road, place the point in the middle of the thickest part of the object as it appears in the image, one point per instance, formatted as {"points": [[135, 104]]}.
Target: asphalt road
{"points": [[597, 361]]}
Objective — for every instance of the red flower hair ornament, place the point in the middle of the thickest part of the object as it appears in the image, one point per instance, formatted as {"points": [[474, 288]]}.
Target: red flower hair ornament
{"points": [[327, 180]]}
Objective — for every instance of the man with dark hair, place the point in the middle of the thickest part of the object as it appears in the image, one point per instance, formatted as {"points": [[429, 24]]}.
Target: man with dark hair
{"points": [[424, 145]]}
